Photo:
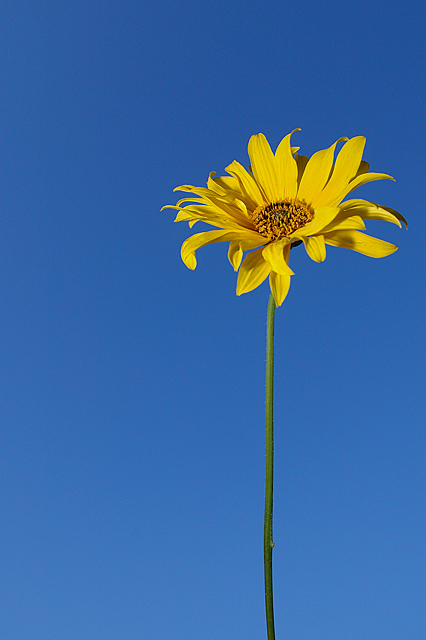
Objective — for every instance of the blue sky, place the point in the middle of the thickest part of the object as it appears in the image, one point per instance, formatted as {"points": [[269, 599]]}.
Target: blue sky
{"points": [[132, 389]]}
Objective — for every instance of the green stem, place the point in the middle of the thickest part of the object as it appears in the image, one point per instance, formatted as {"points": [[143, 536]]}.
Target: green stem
{"points": [[269, 481]]}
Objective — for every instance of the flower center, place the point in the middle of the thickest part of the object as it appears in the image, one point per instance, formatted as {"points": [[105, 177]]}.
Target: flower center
{"points": [[279, 219]]}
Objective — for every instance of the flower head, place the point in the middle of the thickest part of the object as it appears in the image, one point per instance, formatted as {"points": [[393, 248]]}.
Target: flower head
{"points": [[283, 199]]}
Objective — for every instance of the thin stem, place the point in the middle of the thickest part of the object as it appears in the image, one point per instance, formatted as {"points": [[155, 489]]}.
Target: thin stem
{"points": [[269, 481]]}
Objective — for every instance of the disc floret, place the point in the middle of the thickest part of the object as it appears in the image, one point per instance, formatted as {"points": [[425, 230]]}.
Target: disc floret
{"points": [[279, 219]]}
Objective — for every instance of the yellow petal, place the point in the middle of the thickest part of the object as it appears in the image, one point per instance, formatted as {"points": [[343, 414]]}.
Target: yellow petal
{"points": [[323, 216], [253, 271], [237, 247], [372, 211], [263, 165], [286, 168], [235, 254], [184, 215], [247, 183], [301, 162], [360, 180], [223, 204], [198, 201], [316, 174], [277, 253], [315, 248], [345, 169], [345, 220], [189, 188], [214, 216], [223, 184], [189, 247], [280, 284], [360, 242], [251, 240], [363, 167]]}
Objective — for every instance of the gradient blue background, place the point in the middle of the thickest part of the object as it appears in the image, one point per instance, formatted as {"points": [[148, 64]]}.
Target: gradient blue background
{"points": [[132, 389]]}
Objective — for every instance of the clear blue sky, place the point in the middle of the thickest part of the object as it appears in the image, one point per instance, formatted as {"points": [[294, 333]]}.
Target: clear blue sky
{"points": [[132, 389]]}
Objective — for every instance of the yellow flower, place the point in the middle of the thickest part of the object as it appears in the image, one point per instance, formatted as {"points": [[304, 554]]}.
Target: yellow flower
{"points": [[285, 199]]}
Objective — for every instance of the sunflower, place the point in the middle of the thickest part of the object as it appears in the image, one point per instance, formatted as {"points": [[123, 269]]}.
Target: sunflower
{"points": [[285, 199]]}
